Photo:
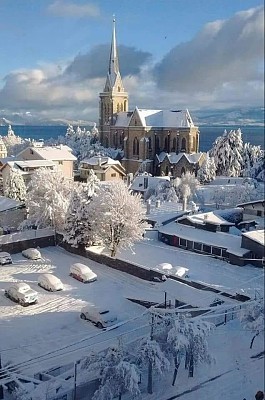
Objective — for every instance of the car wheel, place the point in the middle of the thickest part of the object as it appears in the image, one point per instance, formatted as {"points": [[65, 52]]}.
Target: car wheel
{"points": [[99, 325]]}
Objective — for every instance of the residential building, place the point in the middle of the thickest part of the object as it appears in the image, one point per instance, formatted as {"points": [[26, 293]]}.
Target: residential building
{"points": [[177, 164], [60, 155], [12, 213], [253, 213], [146, 182], [141, 134], [105, 168]]}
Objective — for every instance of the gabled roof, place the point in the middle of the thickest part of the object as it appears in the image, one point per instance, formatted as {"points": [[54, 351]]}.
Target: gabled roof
{"points": [[157, 118], [174, 158], [209, 218], [96, 160], [9, 204], [53, 153], [257, 236]]}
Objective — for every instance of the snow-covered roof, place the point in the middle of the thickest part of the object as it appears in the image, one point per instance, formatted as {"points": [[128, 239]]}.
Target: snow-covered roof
{"points": [[166, 212], [97, 160], [8, 204], [174, 158], [54, 153], [257, 236], [210, 218], [157, 118], [152, 182], [218, 239], [34, 163], [123, 119]]}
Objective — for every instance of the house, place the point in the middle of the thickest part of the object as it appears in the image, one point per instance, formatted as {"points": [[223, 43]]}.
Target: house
{"points": [[253, 213], [145, 181], [255, 242], [207, 221], [25, 168], [141, 133], [12, 213], [105, 168], [60, 155]]}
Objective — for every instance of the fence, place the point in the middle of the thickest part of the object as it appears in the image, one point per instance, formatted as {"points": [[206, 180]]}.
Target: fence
{"points": [[18, 241]]}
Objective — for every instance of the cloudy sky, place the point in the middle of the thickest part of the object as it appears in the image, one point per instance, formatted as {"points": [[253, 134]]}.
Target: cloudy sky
{"points": [[196, 54]]}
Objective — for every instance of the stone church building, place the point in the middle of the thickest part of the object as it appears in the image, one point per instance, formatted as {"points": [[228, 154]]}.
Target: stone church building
{"points": [[150, 139]]}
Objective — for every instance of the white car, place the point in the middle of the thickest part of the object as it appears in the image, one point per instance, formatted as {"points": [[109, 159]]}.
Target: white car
{"points": [[82, 273], [99, 317], [5, 258], [50, 282], [22, 293], [32, 254], [182, 272]]}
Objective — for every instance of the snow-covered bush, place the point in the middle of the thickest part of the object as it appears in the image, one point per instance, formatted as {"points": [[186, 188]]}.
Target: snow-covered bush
{"points": [[186, 187], [252, 318]]}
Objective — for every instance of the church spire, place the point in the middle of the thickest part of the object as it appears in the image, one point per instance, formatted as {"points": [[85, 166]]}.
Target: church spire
{"points": [[113, 60]]}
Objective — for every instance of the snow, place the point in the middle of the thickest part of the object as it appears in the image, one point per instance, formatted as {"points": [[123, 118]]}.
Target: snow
{"points": [[257, 235], [54, 153], [209, 217], [34, 163], [8, 204], [219, 239], [25, 235], [98, 160]]}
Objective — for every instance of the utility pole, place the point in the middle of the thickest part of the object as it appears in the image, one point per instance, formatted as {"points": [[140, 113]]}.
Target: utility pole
{"points": [[75, 373]]}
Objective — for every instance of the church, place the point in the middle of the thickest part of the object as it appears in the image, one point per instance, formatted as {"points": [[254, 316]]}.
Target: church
{"points": [[154, 141]]}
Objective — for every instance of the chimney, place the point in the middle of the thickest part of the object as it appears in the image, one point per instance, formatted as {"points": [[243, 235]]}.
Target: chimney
{"points": [[99, 161]]}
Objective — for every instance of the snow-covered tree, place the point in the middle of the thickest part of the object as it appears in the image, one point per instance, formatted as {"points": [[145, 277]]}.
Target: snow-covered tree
{"points": [[251, 154], [120, 217], [80, 214], [252, 318], [15, 187], [151, 355], [207, 171], [186, 187], [227, 152], [47, 199], [165, 191]]}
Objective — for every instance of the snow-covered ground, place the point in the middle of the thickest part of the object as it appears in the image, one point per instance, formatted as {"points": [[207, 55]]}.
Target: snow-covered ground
{"points": [[51, 333]]}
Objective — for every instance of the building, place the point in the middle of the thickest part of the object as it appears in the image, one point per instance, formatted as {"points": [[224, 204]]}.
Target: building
{"points": [[105, 168], [177, 164], [253, 214], [142, 133], [145, 182], [25, 168], [61, 156], [12, 213]]}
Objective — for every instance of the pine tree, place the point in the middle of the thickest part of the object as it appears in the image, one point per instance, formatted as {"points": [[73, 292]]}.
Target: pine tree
{"points": [[206, 172]]}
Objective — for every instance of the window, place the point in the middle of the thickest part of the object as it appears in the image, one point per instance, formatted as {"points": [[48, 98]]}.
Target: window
{"points": [[136, 147], [174, 144], [31, 151], [183, 144], [125, 104], [60, 162], [259, 213], [206, 248], [119, 89], [113, 175], [197, 246], [183, 242]]}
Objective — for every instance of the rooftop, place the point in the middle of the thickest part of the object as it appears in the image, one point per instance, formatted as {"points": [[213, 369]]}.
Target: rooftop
{"points": [[256, 235]]}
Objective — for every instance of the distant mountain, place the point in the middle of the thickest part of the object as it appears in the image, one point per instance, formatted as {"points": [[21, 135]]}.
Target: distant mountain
{"points": [[231, 116], [242, 116]]}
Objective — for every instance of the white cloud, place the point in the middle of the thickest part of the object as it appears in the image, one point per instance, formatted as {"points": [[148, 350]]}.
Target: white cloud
{"points": [[62, 8], [221, 67]]}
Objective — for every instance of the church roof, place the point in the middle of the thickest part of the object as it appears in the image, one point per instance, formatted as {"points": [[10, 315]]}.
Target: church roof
{"points": [[156, 118], [174, 158]]}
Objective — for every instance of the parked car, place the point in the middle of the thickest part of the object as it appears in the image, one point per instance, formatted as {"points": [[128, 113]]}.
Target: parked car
{"points": [[50, 282], [32, 254], [99, 317], [5, 258], [182, 272], [82, 273], [22, 293]]}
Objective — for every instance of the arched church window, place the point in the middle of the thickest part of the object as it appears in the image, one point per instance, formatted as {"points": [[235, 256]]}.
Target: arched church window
{"points": [[194, 143], [125, 105], [183, 144], [166, 144], [174, 144], [150, 144], [121, 107], [107, 141], [157, 144], [167, 170], [116, 139], [136, 147], [177, 144], [183, 171]]}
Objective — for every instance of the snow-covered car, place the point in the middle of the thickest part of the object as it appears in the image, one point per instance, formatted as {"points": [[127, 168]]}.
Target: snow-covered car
{"points": [[182, 272], [32, 254], [82, 273], [22, 293], [50, 282], [5, 258], [99, 317]]}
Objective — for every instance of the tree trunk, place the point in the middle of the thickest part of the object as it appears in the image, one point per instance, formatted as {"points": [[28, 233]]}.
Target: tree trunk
{"points": [[150, 378], [191, 366], [120, 396], [177, 363], [252, 341], [113, 252]]}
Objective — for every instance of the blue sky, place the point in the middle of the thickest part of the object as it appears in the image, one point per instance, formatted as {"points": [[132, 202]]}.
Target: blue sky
{"points": [[39, 39]]}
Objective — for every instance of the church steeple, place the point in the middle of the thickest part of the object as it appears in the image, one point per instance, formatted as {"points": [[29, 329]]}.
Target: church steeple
{"points": [[113, 99], [113, 60]]}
